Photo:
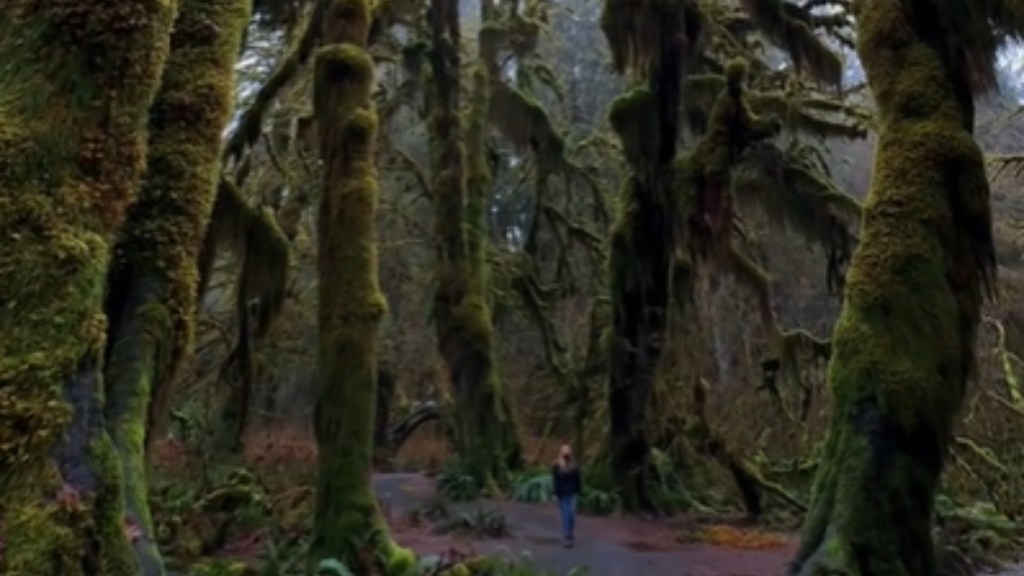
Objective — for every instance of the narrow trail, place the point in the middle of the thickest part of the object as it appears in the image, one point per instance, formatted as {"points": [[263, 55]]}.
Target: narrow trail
{"points": [[605, 546]]}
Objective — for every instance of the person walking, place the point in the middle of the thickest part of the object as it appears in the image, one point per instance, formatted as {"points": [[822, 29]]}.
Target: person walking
{"points": [[566, 480]]}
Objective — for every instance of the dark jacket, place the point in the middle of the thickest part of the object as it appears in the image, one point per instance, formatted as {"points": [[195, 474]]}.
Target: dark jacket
{"points": [[566, 481]]}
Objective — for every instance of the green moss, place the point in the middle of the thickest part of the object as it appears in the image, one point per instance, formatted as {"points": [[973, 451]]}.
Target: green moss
{"points": [[344, 65], [347, 523], [485, 429], [515, 33], [903, 345], [154, 278], [64, 188], [635, 32]]}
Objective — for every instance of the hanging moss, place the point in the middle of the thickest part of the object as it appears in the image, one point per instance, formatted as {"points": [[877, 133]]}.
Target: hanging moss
{"points": [[903, 344], [789, 26], [638, 33], [79, 77], [703, 176], [515, 33]]}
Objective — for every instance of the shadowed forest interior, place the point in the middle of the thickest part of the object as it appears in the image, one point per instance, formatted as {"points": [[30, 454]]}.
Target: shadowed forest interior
{"points": [[323, 287]]}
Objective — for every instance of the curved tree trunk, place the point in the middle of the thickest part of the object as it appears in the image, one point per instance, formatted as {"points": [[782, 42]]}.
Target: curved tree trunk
{"points": [[902, 348], [80, 78], [485, 429], [151, 298], [348, 525]]}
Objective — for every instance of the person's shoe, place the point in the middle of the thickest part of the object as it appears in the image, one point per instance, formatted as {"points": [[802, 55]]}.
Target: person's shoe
{"points": [[568, 542]]}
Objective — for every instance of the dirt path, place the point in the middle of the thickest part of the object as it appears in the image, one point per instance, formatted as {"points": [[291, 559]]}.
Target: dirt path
{"points": [[605, 546]]}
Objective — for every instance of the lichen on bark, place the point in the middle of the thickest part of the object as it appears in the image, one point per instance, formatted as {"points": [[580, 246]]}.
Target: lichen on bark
{"points": [[79, 79], [151, 298], [348, 525], [902, 347]]}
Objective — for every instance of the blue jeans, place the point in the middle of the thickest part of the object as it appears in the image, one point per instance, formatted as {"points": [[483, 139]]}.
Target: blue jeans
{"points": [[567, 507]]}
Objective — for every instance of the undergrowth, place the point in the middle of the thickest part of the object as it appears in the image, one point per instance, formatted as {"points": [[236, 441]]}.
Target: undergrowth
{"points": [[536, 487]]}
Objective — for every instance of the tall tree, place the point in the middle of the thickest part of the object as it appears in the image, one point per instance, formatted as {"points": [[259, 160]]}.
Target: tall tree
{"points": [[153, 281], [676, 213], [348, 523], [656, 41], [485, 431], [903, 344], [78, 80]]}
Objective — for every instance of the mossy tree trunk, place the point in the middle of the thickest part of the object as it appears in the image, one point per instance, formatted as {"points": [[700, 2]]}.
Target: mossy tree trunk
{"points": [[152, 284], [902, 347], [643, 239], [79, 78], [348, 525], [485, 430]]}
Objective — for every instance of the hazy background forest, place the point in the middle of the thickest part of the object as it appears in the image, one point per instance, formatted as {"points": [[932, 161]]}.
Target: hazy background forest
{"points": [[738, 413]]}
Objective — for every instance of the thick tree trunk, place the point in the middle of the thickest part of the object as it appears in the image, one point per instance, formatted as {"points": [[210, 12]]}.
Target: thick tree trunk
{"points": [[903, 344], [136, 361], [485, 428], [348, 525], [152, 286], [72, 149], [640, 266], [382, 425]]}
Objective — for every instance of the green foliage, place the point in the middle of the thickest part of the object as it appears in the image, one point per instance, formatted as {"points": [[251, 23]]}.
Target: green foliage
{"points": [[478, 523], [457, 483], [597, 502], [533, 488], [455, 564], [220, 567], [194, 518], [978, 535], [332, 567]]}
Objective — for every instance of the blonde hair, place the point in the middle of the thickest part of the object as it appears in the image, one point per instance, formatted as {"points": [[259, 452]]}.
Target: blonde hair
{"points": [[565, 458]]}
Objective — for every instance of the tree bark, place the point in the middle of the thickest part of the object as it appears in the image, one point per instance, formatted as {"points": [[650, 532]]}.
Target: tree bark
{"points": [[903, 343], [153, 280], [485, 428], [348, 525], [72, 149]]}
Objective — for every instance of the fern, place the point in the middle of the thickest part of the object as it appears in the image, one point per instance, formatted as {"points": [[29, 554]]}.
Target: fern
{"points": [[533, 489], [332, 567]]}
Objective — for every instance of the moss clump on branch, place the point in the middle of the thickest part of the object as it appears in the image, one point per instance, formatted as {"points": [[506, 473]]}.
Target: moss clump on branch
{"points": [[79, 78]]}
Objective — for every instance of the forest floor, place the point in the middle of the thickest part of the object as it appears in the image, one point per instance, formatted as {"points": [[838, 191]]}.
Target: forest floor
{"points": [[605, 546], [614, 546]]}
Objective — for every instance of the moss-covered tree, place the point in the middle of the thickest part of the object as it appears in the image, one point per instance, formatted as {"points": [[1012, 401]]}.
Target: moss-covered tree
{"points": [[485, 431], [655, 41], [153, 280], [676, 214], [78, 80], [903, 344], [348, 525]]}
